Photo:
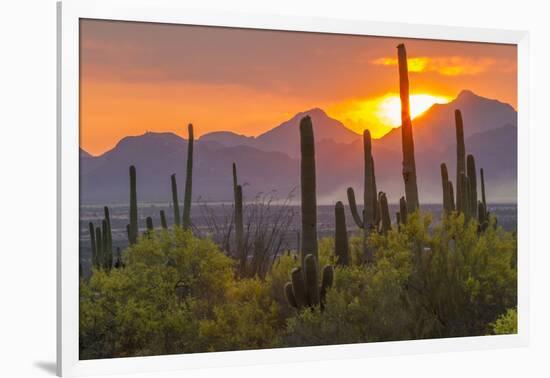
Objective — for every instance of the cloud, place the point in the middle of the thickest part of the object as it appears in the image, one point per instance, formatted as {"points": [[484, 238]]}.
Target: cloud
{"points": [[449, 65]]}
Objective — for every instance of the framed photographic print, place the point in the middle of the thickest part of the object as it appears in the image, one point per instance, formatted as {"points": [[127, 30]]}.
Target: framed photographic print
{"points": [[239, 188]]}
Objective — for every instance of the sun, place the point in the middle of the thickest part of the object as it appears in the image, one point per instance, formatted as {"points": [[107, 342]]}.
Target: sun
{"points": [[389, 107]]}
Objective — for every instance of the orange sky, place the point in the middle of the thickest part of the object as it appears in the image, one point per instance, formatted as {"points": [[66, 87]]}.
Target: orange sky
{"points": [[138, 77]]}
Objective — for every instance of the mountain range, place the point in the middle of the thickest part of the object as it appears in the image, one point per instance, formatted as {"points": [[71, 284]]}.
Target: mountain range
{"points": [[270, 162]]}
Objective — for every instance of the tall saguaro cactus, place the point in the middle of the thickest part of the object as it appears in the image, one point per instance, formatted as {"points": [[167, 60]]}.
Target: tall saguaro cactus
{"points": [[308, 190], [92, 243], [409, 165], [175, 202], [188, 180], [341, 241], [133, 229], [239, 221], [460, 160], [369, 219], [472, 181], [303, 290]]}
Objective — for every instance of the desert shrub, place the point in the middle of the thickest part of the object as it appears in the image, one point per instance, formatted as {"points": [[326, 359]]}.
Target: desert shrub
{"points": [[170, 282], [427, 281], [507, 323], [247, 319]]}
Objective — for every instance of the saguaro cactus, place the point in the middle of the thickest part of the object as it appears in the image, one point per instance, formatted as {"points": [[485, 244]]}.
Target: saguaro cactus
{"points": [[133, 230], [99, 246], [308, 190], [108, 235], [92, 243], [163, 222], [188, 180], [460, 160], [304, 290], [472, 181], [447, 190], [149, 224], [384, 213], [239, 220], [341, 242], [175, 202], [370, 214], [409, 165]]}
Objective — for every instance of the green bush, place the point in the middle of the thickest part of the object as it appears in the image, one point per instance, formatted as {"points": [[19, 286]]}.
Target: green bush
{"points": [[179, 294], [507, 323]]}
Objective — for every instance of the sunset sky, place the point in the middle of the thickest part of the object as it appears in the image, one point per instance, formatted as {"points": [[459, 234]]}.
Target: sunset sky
{"points": [[138, 77]]}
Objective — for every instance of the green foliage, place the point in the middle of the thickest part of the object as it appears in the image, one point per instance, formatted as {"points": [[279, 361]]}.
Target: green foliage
{"points": [[247, 319], [427, 281], [507, 323], [180, 294], [138, 311]]}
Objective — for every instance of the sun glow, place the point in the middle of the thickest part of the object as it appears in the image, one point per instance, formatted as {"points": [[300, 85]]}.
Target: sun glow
{"points": [[389, 107], [381, 114]]}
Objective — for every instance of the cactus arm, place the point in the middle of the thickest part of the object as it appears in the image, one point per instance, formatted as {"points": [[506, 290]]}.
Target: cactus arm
{"points": [[451, 196], [289, 294], [188, 180], [308, 189], [409, 165], [353, 208], [299, 287]]}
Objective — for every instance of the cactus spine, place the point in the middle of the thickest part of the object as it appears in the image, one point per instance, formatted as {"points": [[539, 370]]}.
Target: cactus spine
{"points": [[133, 229], [239, 222], [370, 203], [341, 242], [188, 180], [409, 165], [175, 202], [308, 190]]}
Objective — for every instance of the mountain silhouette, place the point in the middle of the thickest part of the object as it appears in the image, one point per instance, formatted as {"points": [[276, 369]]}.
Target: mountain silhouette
{"points": [[282, 138], [270, 162]]}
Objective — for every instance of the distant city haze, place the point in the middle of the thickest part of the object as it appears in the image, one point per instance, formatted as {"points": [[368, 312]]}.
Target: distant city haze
{"points": [[139, 77]]}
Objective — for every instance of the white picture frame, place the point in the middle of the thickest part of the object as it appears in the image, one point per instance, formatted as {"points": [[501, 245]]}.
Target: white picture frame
{"points": [[165, 11]]}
